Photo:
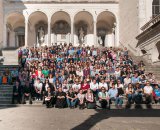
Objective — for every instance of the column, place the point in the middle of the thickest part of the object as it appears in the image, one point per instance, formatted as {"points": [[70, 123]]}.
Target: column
{"points": [[16, 40], [26, 32], [72, 30], [5, 34], [95, 33], [49, 31], [106, 41]]}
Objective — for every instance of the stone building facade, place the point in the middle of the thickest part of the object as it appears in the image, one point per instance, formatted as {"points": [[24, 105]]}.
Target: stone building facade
{"points": [[89, 22]]}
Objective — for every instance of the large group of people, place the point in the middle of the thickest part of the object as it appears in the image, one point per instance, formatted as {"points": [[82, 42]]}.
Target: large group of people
{"points": [[84, 77]]}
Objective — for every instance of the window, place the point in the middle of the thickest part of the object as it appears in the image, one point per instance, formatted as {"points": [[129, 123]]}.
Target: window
{"points": [[155, 7]]}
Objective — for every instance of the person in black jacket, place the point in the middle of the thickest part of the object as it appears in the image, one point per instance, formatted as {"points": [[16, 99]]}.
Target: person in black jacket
{"points": [[26, 93], [60, 98], [49, 96], [17, 93], [45, 88]]}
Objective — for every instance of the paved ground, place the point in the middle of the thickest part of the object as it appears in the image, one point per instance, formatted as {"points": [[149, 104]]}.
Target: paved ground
{"points": [[40, 118]]}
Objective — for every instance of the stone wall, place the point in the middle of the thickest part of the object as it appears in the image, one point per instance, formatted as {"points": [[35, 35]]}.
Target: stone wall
{"points": [[1, 23], [129, 23]]}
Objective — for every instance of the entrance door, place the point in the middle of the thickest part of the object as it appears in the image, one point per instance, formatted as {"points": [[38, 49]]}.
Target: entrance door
{"points": [[21, 40]]}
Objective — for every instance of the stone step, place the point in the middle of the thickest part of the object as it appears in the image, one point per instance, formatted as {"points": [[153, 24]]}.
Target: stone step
{"points": [[112, 107], [5, 98], [152, 69], [5, 95], [6, 91], [5, 102]]}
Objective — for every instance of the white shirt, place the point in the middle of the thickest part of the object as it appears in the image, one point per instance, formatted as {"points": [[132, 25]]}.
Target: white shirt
{"points": [[80, 96], [38, 85], [76, 86], [93, 86], [103, 85], [117, 73], [51, 80], [148, 89], [127, 81]]}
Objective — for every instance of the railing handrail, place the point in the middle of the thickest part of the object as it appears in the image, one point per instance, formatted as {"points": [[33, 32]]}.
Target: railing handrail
{"points": [[150, 23]]}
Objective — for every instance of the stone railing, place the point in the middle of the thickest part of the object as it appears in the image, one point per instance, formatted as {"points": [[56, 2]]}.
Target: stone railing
{"points": [[65, 1], [151, 22]]}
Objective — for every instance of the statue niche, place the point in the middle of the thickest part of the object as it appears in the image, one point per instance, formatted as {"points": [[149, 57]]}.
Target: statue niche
{"points": [[81, 30], [41, 30], [101, 33]]}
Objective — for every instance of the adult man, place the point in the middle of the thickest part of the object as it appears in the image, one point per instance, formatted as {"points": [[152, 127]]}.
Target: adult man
{"points": [[135, 79], [94, 87], [17, 93], [27, 93], [148, 92], [113, 93], [76, 86], [71, 98]]}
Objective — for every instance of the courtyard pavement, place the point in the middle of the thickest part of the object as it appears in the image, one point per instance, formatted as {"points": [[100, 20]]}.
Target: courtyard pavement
{"points": [[40, 118]]}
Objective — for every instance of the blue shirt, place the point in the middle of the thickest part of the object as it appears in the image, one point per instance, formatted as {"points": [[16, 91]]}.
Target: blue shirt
{"points": [[135, 80], [157, 92], [113, 93]]}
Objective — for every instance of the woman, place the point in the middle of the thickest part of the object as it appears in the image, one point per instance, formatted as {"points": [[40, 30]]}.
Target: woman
{"points": [[157, 93], [57, 85], [129, 93], [61, 98], [81, 99], [65, 86], [90, 99], [138, 94], [119, 98], [103, 97], [85, 86]]}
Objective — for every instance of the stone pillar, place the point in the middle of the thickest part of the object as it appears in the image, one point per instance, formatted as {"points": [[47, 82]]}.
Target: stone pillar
{"points": [[26, 31], [1, 24], [55, 38], [16, 40], [4, 34], [72, 30], [95, 33], [106, 41], [49, 32]]}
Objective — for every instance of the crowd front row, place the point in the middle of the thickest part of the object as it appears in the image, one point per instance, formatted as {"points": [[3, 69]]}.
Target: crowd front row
{"points": [[85, 95]]}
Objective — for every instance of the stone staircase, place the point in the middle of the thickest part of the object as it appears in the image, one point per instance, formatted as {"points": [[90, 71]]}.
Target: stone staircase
{"points": [[6, 92], [149, 68]]}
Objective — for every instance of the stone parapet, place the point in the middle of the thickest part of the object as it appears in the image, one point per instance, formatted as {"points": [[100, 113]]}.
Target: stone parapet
{"points": [[65, 1]]}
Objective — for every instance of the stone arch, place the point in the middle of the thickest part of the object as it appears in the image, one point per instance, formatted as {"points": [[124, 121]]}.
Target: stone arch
{"points": [[15, 20], [86, 17], [38, 22], [61, 27], [106, 24], [83, 27]]}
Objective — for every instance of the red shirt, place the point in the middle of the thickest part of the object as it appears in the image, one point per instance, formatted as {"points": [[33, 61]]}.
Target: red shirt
{"points": [[85, 86]]}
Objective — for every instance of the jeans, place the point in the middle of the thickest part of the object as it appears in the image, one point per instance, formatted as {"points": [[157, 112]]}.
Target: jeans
{"points": [[137, 98], [71, 103], [130, 98], [26, 97], [119, 101]]}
